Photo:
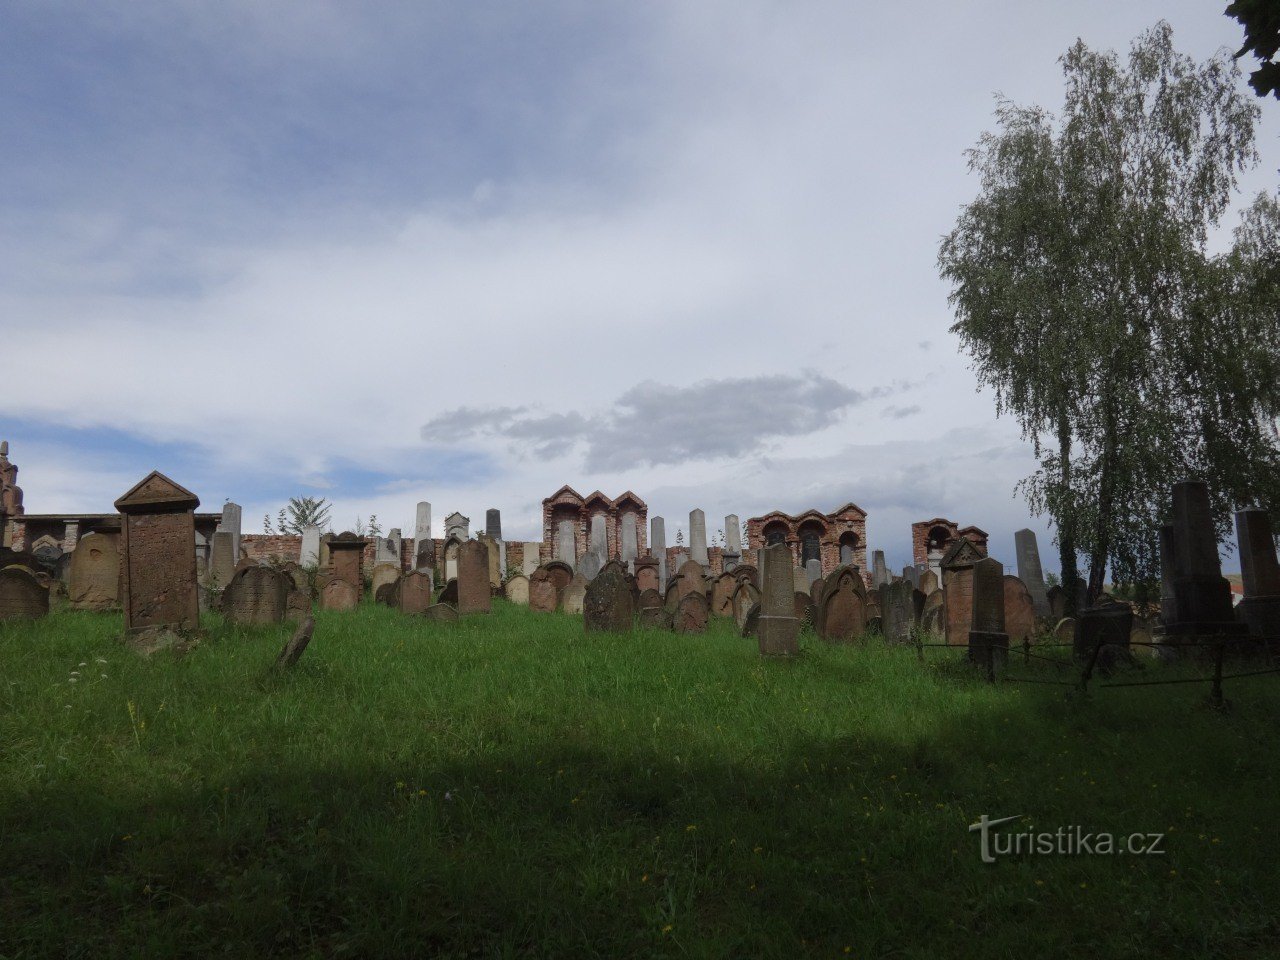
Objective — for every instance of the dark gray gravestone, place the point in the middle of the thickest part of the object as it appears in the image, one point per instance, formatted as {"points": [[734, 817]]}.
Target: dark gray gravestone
{"points": [[988, 642], [297, 644], [1260, 574], [778, 628], [1106, 628], [608, 606]]}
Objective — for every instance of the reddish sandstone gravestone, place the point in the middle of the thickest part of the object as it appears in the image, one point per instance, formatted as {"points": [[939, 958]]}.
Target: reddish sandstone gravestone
{"points": [[561, 575], [256, 595], [777, 628], [842, 611], [1019, 611], [722, 595], [339, 594], [608, 606], [346, 554], [957, 584], [647, 574], [474, 594], [416, 592], [22, 597], [542, 591], [158, 543], [692, 613], [691, 580], [95, 573]]}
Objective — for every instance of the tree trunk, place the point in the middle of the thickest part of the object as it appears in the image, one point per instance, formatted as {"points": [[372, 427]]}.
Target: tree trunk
{"points": [[1106, 499], [1066, 522]]}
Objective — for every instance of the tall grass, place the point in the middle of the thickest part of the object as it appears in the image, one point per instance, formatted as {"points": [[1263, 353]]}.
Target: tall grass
{"points": [[510, 786]]}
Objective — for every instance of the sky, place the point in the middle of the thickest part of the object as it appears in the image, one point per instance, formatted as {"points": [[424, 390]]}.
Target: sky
{"points": [[467, 253]]}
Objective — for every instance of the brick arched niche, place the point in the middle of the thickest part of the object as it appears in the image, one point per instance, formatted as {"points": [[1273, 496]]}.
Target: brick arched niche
{"points": [[565, 518], [776, 531], [849, 544], [811, 533]]}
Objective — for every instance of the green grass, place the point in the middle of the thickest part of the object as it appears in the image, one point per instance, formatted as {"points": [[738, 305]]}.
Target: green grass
{"points": [[512, 787]]}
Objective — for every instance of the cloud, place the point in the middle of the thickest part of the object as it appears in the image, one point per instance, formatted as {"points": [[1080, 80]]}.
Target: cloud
{"points": [[657, 424], [899, 413]]}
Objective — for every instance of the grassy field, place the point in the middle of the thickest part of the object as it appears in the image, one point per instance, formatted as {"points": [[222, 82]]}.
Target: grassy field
{"points": [[511, 787]]}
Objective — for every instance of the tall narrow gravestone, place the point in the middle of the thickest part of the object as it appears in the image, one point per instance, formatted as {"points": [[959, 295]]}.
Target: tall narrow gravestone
{"points": [[346, 553], [423, 547], [222, 565], [474, 594], [95, 573], [778, 630], [230, 523], [698, 539], [309, 555], [1260, 574], [1029, 571], [732, 542], [879, 571], [159, 564], [658, 545], [988, 642]]}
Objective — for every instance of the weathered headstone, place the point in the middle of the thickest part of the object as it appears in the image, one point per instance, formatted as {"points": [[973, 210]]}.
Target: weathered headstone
{"points": [[449, 594], [812, 571], [647, 573], [897, 612], [388, 594], [416, 590], [590, 564], [297, 645], [928, 582], [751, 622], [608, 606], [1259, 573], [309, 555], [691, 580], [532, 558], [1201, 597], [879, 570], [222, 561], [1030, 573], [297, 605], [698, 538], [800, 580], [658, 545], [988, 642], [159, 561], [517, 590], [22, 597], [346, 553], [566, 547], [574, 596], [255, 596], [722, 588], [339, 594], [745, 596], [230, 523], [383, 574], [778, 629], [456, 525], [732, 542], [1105, 627], [1019, 610], [933, 614], [692, 613], [95, 573], [628, 539], [494, 554], [957, 585], [441, 613], [474, 593], [423, 546], [841, 615]]}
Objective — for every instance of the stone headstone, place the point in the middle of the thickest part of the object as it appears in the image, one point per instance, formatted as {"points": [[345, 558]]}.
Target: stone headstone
{"points": [[841, 615], [1107, 627], [297, 645], [722, 588], [309, 555], [383, 574], [647, 574], [691, 580], [258, 595], [532, 558], [692, 613], [517, 590], [574, 596], [658, 545], [1030, 573], [988, 642], [566, 547], [628, 540], [778, 629], [493, 523], [812, 571], [608, 606], [346, 555], [879, 571], [297, 605], [230, 523], [1259, 573], [158, 545], [648, 598], [423, 547], [1201, 597], [441, 613], [933, 613], [745, 596], [799, 581], [751, 622], [22, 597], [897, 611], [698, 538], [928, 582], [957, 585], [1056, 597], [388, 594], [474, 593], [339, 594], [732, 542], [95, 573], [456, 525], [1019, 610], [222, 560], [494, 549], [590, 564]]}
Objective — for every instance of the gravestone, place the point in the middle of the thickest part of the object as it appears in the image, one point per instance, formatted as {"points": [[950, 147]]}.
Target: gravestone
{"points": [[1056, 597], [722, 588], [297, 605], [590, 564], [309, 555], [933, 615], [449, 594], [692, 613], [346, 553], [293, 650], [95, 573], [532, 558], [654, 618], [222, 561], [415, 592], [230, 523], [383, 574], [574, 596], [22, 597], [799, 581], [474, 593], [691, 580], [1107, 627], [493, 524], [457, 526], [897, 611], [517, 590], [1200, 604], [495, 560], [1019, 610], [158, 542], [608, 606], [566, 543], [698, 538], [928, 582], [988, 642], [542, 591], [957, 585], [778, 630], [561, 574], [628, 541], [649, 598], [339, 594], [647, 573], [813, 571], [745, 596], [423, 547], [658, 545], [751, 623], [388, 594], [256, 596], [841, 615], [801, 607], [879, 570], [1030, 573], [384, 553], [748, 573], [441, 613], [733, 542], [1259, 573]]}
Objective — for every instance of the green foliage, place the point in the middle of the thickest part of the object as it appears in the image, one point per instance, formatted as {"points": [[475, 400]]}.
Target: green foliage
{"points": [[508, 786], [1085, 295], [1261, 22], [302, 512]]}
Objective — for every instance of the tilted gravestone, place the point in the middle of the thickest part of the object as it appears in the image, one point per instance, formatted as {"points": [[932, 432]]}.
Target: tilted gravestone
{"points": [[297, 644], [778, 629], [692, 613], [517, 590], [22, 597], [441, 613], [158, 543], [95, 573], [416, 591], [751, 622], [256, 596], [608, 606], [474, 594]]}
